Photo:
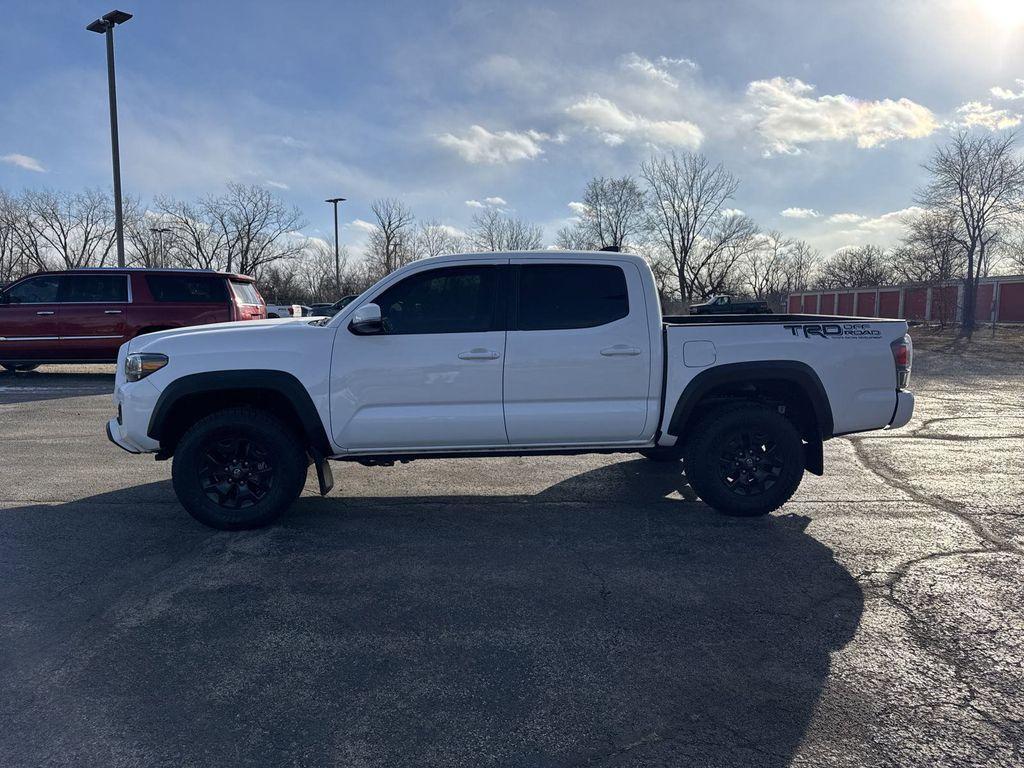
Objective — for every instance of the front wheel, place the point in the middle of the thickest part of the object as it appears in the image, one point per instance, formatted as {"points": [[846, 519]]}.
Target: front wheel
{"points": [[238, 468], [745, 460]]}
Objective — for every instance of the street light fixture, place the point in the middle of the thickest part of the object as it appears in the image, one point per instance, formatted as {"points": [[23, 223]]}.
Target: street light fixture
{"points": [[160, 232], [337, 258], [105, 26]]}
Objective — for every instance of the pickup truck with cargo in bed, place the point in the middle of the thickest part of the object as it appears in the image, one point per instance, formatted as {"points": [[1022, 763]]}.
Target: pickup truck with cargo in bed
{"points": [[497, 354], [730, 305]]}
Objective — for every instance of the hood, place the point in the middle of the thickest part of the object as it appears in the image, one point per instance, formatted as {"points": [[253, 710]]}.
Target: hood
{"points": [[228, 333]]}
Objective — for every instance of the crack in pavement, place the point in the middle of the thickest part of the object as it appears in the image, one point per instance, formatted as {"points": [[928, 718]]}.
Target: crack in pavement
{"points": [[936, 502]]}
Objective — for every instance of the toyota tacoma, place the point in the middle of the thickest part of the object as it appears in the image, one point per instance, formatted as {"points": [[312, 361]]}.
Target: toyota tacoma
{"points": [[505, 354]]}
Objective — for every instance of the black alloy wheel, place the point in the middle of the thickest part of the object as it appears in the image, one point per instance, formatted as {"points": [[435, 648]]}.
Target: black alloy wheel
{"points": [[236, 472], [750, 462]]}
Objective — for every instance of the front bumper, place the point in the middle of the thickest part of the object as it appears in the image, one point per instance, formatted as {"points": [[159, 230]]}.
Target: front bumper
{"points": [[135, 401], [904, 409], [112, 426]]}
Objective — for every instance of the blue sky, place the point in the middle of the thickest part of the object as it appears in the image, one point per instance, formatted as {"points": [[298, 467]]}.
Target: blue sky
{"points": [[824, 110]]}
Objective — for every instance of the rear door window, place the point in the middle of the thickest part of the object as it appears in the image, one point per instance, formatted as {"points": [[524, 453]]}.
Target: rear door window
{"points": [[104, 289], [187, 288], [36, 290], [245, 292], [562, 296]]}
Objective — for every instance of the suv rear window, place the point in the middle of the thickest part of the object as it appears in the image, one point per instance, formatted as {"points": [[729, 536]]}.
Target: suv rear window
{"points": [[553, 296], [187, 288], [245, 292]]}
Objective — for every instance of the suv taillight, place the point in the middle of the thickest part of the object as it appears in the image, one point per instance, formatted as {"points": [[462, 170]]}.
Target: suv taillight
{"points": [[903, 357]]}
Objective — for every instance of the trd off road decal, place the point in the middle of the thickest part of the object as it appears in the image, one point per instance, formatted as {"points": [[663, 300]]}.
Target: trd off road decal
{"points": [[834, 330]]}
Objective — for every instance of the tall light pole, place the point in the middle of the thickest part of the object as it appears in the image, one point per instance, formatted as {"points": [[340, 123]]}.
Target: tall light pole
{"points": [[160, 232], [105, 26], [337, 257]]}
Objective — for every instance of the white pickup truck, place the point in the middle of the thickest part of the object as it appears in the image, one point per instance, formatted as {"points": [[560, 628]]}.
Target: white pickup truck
{"points": [[505, 353]]}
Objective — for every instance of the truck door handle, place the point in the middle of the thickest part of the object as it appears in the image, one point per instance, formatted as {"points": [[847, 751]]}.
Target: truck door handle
{"points": [[45, 312], [620, 350], [112, 312], [479, 354]]}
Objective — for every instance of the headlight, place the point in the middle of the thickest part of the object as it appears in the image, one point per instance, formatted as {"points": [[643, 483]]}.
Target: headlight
{"points": [[139, 365]]}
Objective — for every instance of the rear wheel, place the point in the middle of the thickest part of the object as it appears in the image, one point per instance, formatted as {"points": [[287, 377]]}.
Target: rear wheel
{"points": [[745, 460], [238, 468], [13, 367]]}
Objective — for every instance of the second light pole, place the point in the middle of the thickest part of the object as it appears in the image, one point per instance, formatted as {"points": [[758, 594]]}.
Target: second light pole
{"points": [[337, 256]]}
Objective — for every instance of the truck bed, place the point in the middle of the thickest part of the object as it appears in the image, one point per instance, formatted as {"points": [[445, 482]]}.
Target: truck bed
{"points": [[850, 357], [744, 319]]}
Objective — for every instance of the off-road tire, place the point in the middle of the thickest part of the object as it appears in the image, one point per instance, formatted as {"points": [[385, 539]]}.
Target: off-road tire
{"points": [[744, 459], [239, 468]]}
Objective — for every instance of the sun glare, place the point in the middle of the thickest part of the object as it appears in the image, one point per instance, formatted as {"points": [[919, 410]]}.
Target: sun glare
{"points": [[1002, 12]]}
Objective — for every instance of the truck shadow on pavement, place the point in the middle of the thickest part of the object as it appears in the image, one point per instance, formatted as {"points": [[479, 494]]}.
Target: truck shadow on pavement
{"points": [[30, 386], [577, 626]]}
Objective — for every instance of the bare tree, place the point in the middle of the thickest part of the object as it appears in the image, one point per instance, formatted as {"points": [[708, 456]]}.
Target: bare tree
{"points": [[13, 259], [257, 227], [979, 181], [863, 267], [195, 240], [435, 239], [67, 230], [613, 212], [685, 201], [930, 252], [575, 237], [715, 268], [802, 265], [393, 241], [492, 230]]}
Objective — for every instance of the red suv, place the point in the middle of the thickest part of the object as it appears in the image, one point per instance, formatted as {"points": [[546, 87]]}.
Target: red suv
{"points": [[84, 315]]}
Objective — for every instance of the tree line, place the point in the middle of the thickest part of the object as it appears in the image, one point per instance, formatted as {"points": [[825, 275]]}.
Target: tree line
{"points": [[676, 211]]}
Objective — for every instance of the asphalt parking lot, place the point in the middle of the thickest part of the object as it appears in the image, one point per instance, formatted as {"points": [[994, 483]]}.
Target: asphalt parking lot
{"points": [[534, 612]]}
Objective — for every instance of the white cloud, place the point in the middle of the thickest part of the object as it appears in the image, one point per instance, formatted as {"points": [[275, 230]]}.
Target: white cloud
{"points": [[578, 208], [799, 213], [23, 161], [615, 124], [277, 184], [787, 114], [845, 218], [657, 70], [974, 114], [363, 226], [1005, 94], [887, 222], [479, 145], [487, 202], [728, 213], [453, 231]]}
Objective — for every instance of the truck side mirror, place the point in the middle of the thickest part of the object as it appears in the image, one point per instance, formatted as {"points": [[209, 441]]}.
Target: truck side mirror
{"points": [[366, 321]]}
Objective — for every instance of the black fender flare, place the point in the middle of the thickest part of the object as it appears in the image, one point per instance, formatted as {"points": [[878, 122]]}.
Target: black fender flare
{"points": [[280, 382], [799, 374]]}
